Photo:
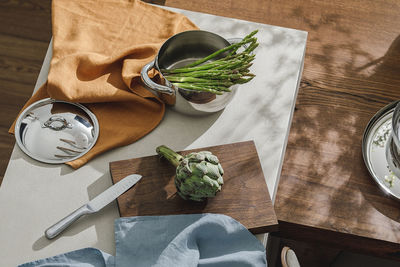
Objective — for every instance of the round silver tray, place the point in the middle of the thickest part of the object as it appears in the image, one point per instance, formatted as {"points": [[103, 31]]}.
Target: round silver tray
{"points": [[376, 136], [54, 131]]}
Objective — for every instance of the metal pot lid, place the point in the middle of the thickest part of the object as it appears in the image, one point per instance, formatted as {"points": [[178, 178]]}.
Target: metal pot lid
{"points": [[54, 131]]}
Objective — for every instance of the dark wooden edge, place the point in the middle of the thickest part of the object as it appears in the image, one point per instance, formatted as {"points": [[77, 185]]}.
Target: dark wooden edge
{"points": [[339, 240], [263, 230]]}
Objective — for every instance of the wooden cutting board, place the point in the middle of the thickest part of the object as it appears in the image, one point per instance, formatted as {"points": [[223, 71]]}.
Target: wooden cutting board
{"points": [[244, 195]]}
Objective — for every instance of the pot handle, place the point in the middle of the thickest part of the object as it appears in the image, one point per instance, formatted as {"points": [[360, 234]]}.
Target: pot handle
{"points": [[149, 82]]}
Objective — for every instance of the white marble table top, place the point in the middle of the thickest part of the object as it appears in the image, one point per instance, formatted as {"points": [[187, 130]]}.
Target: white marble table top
{"points": [[35, 195]]}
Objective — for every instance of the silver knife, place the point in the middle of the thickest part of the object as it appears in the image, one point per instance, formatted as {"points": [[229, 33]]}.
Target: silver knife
{"points": [[94, 205]]}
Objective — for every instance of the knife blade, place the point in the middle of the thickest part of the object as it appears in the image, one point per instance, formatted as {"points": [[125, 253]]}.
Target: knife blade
{"points": [[96, 204]]}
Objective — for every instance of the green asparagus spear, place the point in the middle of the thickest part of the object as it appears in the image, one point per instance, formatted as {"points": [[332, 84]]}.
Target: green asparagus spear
{"points": [[218, 75]]}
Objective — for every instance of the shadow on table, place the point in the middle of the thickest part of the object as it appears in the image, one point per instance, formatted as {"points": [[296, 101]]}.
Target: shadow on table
{"points": [[96, 220], [326, 137], [386, 66]]}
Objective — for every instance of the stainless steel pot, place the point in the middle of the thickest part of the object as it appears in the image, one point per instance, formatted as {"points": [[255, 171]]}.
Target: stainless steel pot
{"points": [[181, 50]]}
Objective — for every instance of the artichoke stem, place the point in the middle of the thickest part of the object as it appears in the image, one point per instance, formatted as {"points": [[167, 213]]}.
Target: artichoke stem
{"points": [[173, 157]]}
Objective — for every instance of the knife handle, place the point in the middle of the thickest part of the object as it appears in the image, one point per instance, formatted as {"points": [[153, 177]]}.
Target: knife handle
{"points": [[60, 226]]}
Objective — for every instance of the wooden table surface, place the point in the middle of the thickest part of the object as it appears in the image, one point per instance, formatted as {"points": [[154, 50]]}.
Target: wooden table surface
{"points": [[352, 69], [25, 32]]}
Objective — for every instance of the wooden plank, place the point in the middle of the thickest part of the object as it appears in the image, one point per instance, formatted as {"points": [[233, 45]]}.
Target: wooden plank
{"points": [[244, 195], [19, 47], [25, 31], [30, 20], [325, 186]]}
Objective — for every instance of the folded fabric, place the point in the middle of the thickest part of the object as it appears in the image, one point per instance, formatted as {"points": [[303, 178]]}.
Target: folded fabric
{"points": [[86, 257], [174, 240], [99, 48]]}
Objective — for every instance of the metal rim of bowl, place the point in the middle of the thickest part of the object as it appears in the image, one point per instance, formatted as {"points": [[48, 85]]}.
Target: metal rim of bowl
{"points": [[386, 109]]}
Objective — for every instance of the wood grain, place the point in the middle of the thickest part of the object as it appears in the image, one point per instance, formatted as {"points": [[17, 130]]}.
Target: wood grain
{"points": [[25, 32], [351, 70], [244, 195]]}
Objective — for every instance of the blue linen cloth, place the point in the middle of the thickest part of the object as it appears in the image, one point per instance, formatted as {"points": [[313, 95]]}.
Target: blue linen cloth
{"points": [[205, 240]]}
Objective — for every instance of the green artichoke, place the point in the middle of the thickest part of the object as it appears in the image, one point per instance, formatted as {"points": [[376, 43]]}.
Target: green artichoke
{"points": [[198, 175]]}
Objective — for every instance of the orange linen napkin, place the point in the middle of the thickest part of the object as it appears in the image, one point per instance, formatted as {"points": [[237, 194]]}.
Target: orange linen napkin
{"points": [[99, 48]]}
